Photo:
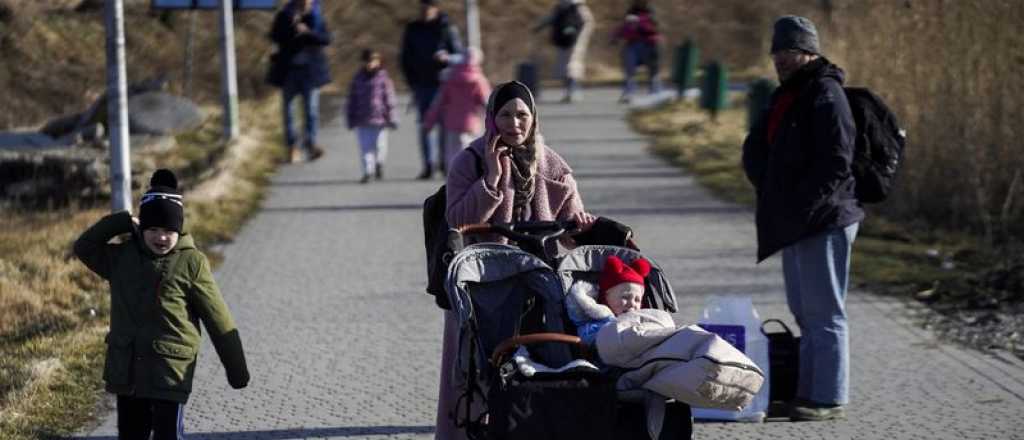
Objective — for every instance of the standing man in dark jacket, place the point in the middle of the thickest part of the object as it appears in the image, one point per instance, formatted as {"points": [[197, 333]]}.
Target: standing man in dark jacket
{"points": [[299, 68], [428, 45], [798, 159]]}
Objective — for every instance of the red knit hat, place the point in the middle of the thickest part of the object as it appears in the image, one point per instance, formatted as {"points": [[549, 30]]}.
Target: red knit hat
{"points": [[617, 272]]}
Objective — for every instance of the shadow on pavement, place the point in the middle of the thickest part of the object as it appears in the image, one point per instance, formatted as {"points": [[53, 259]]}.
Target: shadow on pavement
{"points": [[549, 116], [609, 140], [686, 210], [342, 208], [302, 433], [342, 182], [627, 175]]}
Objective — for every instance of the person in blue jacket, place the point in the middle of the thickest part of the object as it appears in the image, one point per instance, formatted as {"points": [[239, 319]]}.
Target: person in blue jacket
{"points": [[798, 158], [299, 68], [429, 44]]}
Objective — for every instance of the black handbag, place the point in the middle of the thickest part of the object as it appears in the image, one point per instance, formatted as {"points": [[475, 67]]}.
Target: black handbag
{"points": [[783, 362]]}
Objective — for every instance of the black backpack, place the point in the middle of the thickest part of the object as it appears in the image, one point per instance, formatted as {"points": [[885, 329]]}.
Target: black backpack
{"points": [[435, 233], [567, 25], [878, 150]]}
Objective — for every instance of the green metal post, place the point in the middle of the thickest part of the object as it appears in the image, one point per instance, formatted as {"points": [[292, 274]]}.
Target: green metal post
{"points": [[713, 95], [685, 67], [758, 98]]}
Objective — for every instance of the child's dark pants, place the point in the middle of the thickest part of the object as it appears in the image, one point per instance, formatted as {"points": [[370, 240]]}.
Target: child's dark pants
{"points": [[138, 417]]}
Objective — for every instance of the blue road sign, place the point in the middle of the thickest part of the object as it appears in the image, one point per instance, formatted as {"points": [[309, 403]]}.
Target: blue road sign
{"points": [[213, 4]]}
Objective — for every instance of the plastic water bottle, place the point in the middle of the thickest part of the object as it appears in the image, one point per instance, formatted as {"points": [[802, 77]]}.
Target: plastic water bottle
{"points": [[734, 318]]}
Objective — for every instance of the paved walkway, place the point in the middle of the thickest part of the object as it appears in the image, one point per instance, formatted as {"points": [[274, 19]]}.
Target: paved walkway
{"points": [[326, 284]]}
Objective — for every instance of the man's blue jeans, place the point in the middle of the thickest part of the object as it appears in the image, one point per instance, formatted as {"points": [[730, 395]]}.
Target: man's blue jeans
{"points": [[424, 96], [311, 111], [816, 271]]}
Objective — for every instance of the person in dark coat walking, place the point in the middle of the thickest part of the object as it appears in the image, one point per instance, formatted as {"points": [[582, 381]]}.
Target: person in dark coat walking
{"points": [[429, 44], [299, 68], [798, 158]]}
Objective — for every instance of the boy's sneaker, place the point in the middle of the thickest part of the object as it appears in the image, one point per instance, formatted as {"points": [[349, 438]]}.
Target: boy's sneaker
{"points": [[807, 411], [365, 179], [294, 155]]}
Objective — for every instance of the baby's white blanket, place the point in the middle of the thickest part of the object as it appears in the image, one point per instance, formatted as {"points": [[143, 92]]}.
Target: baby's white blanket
{"points": [[688, 364]]}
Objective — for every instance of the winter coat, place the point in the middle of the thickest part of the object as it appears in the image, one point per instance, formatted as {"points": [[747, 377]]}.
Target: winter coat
{"points": [[299, 58], [461, 100], [371, 100], [643, 30], [588, 315], [803, 181], [156, 303], [421, 40], [687, 363], [471, 201]]}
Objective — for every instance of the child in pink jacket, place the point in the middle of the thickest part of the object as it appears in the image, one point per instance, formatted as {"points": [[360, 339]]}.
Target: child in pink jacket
{"points": [[459, 104]]}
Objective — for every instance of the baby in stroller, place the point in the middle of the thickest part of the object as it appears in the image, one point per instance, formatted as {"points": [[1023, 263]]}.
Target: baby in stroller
{"points": [[510, 303], [688, 364], [621, 290]]}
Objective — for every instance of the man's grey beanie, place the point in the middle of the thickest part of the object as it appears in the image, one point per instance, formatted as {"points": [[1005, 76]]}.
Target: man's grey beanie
{"points": [[793, 32]]}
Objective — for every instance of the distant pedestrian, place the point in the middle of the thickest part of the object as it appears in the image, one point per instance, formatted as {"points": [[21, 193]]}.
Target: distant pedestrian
{"points": [[161, 287], [640, 32], [370, 111], [300, 68], [798, 158], [571, 24], [460, 104], [428, 45]]}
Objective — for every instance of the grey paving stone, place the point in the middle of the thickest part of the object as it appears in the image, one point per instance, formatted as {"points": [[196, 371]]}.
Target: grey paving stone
{"points": [[326, 285]]}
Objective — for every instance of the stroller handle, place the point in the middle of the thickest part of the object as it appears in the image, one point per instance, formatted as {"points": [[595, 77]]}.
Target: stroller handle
{"points": [[531, 236], [522, 230], [505, 348]]}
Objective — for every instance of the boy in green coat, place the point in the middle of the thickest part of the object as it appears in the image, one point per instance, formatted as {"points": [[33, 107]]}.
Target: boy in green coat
{"points": [[161, 286]]}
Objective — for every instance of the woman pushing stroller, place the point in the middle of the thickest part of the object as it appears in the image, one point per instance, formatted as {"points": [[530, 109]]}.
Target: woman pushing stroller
{"points": [[508, 175]]}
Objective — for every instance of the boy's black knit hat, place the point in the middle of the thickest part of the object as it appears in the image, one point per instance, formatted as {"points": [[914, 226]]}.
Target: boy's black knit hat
{"points": [[162, 205]]}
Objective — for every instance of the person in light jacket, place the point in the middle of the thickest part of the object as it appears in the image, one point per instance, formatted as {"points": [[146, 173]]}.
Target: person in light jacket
{"points": [[460, 104], [370, 111], [571, 24]]}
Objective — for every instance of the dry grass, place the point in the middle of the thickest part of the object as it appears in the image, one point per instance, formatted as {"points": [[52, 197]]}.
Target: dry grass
{"points": [[893, 257], [710, 150], [53, 311], [47, 30]]}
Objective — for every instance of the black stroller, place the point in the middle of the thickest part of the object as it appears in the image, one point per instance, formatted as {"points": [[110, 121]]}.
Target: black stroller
{"points": [[509, 297]]}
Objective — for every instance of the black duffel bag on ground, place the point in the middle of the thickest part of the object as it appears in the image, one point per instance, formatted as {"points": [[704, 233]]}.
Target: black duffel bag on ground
{"points": [[783, 362]]}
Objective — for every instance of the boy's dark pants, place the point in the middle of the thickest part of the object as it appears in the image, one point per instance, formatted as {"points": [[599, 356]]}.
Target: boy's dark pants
{"points": [[138, 417]]}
